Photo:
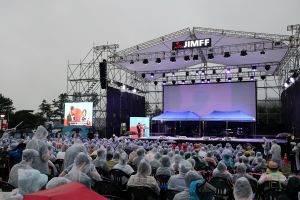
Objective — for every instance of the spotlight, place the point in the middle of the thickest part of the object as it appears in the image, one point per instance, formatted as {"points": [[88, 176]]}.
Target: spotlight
{"points": [[195, 57], [145, 61], [240, 70], [164, 82], [214, 71], [186, 58], [193, 81], [251, 78], [202, 80], [131, 62], [143, 75], [183, 81], [263, 77], [152, 75], [286, 84], [229, 79], [187, 73], [226, 54], [173, 73], [208, 80], [210, 56], [173, 59], [158, 60], [203, 72], [197, 72], [228, 70], [218, 80], [164, 75], [173, 82], [262, 52], [243, 53], [155, 82], [240, 78], [134, 90], [292, 80], [253, 68], [267, 67], [123, 87]]}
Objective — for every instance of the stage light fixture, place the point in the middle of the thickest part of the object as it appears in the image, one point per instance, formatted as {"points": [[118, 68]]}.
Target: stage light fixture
{"points": [[202, 80], [228, 70], [292, 80], [277, 43], [131, 62], [214, 71], [253, 68], [158, 60], [240, 78], [134, 90], [173, 59], [197, 73], [218, 80], [251, 78], [143, 75], [295, 75], [226, 54], [145, 61], [243, 53], [262, 52], [195, 57], [203, 72], [173, 73], [163, 75], [267, 67], [210, 56], [155, 82], [263, 77], [229, 79], [164, 82], [152, 75], [208, 80], [240, 70], [123, 87], [286, 85], [193, 81], [186, 58], [183, 81], [187, 73], [173, 82]]}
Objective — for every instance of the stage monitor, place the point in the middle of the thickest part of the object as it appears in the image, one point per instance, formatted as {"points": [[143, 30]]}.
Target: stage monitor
{"points": [[207, 99], [141, 125], [78, 114]]}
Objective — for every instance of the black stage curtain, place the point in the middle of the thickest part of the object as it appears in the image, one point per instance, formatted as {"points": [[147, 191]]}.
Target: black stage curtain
{"points": [[290, 108], [120, 107]]}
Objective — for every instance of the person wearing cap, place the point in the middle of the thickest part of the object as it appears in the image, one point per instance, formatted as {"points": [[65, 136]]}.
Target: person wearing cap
{"points": [[39, 144], [176, 182], [272, 174], [242, 189], [26, 163]]}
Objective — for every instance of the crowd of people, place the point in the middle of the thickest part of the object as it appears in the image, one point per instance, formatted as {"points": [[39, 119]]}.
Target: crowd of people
{"points": [[188, 166]]}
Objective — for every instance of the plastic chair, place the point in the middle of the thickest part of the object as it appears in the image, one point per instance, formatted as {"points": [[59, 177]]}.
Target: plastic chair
{"points": [[4, 167], [223, 188], [171, 194], [104, 174], [6, 187], [118, 177], [271, 188], [59, 163], [107, 187], [142, 193]]}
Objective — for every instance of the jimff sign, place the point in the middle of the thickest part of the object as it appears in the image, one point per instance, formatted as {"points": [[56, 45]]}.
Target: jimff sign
{"points": [[191, 44]]}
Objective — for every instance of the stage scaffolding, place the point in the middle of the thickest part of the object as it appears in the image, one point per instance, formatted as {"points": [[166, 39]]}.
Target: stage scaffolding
{"points": [[84, 78]]}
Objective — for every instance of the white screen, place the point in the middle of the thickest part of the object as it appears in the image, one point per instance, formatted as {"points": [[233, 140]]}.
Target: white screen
{"points": [[78, 114], [206, 98]]}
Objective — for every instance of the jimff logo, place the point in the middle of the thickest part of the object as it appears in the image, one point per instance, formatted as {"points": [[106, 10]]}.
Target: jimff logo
{"points": [[191, 44]]}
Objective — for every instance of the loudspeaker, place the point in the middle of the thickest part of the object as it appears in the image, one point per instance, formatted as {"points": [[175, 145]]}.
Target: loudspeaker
{"points": [[103, 74]]}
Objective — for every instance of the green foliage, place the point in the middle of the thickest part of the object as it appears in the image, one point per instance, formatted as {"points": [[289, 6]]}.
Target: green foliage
{"points": [[6, 105], [59, 105]]}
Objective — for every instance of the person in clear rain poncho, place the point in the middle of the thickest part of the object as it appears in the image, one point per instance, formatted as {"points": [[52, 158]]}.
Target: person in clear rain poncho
{"points": [[26, 163], [39, 144], [57, 181], [72, 152], [242, 189]]}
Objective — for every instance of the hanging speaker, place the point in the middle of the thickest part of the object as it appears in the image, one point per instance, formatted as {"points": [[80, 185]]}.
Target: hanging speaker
{"points": [[103, 74]]}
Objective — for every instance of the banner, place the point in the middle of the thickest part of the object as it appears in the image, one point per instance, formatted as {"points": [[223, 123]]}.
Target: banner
{"points": [[78, 114]]}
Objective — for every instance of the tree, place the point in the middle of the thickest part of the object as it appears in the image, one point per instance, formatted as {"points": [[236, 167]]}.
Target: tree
{"points": [[6, 105], [45, 107], [59, 105]]}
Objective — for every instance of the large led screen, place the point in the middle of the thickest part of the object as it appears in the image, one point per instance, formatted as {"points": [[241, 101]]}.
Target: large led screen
{"points": [[205, 99], [141, 125], [78, 114]]}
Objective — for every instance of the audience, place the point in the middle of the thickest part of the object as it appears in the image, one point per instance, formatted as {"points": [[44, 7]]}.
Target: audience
{"points": [[176, 182], [242, 189]]}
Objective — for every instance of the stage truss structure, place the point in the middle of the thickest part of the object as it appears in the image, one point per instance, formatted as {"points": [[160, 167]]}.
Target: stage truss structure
{"points": [[84, 78]]}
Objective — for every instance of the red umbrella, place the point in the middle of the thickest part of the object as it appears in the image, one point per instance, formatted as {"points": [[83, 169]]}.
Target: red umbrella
{"points": [[70, 191]]}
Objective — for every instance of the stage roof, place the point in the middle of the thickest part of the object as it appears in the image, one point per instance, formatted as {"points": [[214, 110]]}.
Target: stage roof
{"points": [[234, 116], [274, 46], [177, 116]]}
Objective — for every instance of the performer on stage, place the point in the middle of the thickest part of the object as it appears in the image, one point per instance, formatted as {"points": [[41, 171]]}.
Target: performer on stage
{"points": [[139, 128]]}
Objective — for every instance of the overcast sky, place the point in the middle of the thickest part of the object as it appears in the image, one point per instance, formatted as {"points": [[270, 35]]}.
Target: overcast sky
{"points": [[38, 37]]}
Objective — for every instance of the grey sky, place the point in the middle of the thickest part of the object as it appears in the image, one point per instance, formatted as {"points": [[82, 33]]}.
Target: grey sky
{"points": [[38, 37]]}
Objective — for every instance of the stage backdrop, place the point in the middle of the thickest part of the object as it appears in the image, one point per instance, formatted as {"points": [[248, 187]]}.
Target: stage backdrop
{"points": [[206, 98], [120, 107], [144, 124], [78, 114]]}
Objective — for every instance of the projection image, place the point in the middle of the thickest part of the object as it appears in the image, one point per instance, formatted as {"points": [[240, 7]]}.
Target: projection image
{"points": [[234, 101], [78, 114], [140, 125]]}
